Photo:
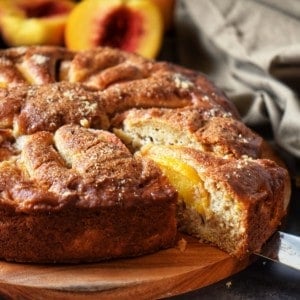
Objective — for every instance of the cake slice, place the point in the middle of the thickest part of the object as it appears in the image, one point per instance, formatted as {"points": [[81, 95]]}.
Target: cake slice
{"points": [[229, 195], [234, 204]]}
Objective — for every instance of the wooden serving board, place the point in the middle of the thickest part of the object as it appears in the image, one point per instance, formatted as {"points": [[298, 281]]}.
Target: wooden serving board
{"points": [[159, 275]]}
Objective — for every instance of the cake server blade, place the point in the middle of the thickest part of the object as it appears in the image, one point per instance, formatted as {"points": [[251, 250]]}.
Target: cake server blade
{"points": [[283, 248]]}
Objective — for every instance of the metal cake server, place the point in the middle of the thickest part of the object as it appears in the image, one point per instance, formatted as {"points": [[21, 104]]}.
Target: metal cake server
{"points": [[283, 248]]}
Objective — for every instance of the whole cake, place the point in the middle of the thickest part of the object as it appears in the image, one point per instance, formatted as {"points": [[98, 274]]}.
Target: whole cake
{"points": [[105, 154]]}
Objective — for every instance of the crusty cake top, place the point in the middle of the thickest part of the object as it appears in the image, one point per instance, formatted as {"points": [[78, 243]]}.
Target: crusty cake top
{"points": [[58, 112], [76, 166]]}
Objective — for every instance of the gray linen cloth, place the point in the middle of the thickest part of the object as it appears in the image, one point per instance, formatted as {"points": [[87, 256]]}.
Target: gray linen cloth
{"points": [[250, 49]]}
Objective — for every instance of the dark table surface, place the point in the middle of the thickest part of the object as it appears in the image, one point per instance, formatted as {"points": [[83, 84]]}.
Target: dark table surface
{"points": [[263, 279]]}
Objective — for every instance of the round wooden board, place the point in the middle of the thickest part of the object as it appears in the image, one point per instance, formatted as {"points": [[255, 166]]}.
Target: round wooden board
{"points": [[162, 274]]}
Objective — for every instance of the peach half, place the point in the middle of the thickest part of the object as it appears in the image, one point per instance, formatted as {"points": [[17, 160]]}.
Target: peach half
{"points": [[130, 25], [166, 8], [8, 7], [40, 22]]}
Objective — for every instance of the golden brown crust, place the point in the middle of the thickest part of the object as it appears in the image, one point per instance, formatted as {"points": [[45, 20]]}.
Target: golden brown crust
{"points": [[60, 112], [85, 167], [208, 128]]}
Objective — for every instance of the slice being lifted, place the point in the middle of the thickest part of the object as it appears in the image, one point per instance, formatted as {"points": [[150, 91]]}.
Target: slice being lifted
{"points": [[231, 203], [229, 194]]}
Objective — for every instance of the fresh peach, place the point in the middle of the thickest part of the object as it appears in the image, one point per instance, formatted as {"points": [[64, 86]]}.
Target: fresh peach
{"points": [[166, 8], [131, 25], [42, 22], [9, 7]]}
